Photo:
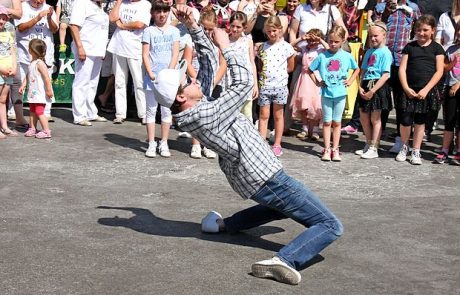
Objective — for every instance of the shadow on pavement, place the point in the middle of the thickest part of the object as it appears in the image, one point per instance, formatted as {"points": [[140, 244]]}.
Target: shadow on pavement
{"points": [[146, 222]]}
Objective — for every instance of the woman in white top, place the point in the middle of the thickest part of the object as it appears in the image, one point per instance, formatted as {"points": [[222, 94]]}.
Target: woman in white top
{"points": [[317, 14], [445, 31], [89, 25], [131, 17], [15, 109]]}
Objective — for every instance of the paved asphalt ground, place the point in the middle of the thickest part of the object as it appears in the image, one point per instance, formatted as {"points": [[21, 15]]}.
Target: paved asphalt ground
{"points": [[87, 213]]}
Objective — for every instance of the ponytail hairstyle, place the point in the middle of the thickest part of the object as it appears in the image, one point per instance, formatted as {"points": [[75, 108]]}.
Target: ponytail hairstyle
{"points": [[240, 16], [338, 31], [38, 47], [208, 14]]}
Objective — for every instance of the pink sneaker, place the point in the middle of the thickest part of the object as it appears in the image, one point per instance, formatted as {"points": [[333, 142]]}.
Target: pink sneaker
{"points": [[277, 150], [30, 132], [349, 130], [43, 134]]}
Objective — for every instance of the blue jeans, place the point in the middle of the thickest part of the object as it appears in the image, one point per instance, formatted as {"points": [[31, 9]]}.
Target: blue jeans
{"points": [[284, 197]]}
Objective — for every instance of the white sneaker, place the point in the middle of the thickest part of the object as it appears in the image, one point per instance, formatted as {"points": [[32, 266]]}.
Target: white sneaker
{"points": [[402, 155], [209, 222], [363, 151], [152, 150], [208, 153], [397, 145], [371, 153], [416, 158], [196, 151], [163, 149], [184, 135], [276, 269]]}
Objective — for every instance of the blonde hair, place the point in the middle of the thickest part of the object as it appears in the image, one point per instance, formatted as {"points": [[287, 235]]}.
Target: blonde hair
{"points": [[208, 14], [274, 22], [338, 31], [380, 24]]}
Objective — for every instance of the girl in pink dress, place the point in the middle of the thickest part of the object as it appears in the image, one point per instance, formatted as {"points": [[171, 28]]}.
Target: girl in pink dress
{"points": [[306, 99]]}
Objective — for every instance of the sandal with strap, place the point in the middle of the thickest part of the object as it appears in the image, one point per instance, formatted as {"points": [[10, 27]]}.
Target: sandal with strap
{"points": [[9, 132]]}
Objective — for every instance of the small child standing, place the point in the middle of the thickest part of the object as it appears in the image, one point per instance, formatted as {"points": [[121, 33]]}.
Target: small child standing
{"points": [[160, 50], [63, 10], [375, 93], [245, 46], [421, 68], [7, 69], [451, 102], [39, 89], [333, 66], [306, 99], [278, 60]]}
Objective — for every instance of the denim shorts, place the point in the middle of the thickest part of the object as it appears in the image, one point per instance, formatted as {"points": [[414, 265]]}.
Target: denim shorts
{"points": [[333, 108], [276, 96]]}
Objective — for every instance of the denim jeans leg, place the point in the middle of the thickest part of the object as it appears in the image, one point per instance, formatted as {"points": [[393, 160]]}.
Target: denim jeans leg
{"points": [[251, 217], [291, 198]]}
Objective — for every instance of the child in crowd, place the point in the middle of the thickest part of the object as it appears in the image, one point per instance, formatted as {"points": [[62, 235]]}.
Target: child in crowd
{"points": [[63, 10], [451, 103], [333, 66], [375, 93], [39, 89], [244, 45], [306, 99], [160, 50], [131, 18], [212, 86], [421, 68], [38, 21], [7, 69], [278, 60]]}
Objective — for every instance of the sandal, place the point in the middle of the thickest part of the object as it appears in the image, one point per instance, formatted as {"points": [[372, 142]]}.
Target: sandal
{"points": [[22, 126], [2, 136], [9, 132]]}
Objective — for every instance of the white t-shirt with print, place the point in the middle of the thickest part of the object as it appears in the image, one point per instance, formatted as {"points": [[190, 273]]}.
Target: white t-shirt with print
{"points": [[94, 26], [249, 9], [40, 30], [274, 60], [312, 19], [127, 43]]}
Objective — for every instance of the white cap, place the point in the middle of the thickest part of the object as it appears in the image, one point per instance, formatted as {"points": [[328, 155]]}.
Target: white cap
{"points": [[167, 82]]}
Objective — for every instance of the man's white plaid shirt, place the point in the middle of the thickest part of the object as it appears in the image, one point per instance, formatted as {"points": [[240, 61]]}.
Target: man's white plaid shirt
{"points": [[245, 158]]}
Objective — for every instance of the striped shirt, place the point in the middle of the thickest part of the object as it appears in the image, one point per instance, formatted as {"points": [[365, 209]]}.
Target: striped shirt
{"points": [[245, 158]]}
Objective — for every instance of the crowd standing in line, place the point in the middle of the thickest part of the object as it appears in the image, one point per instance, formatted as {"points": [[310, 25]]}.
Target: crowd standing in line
{"points": [[391, 72]]}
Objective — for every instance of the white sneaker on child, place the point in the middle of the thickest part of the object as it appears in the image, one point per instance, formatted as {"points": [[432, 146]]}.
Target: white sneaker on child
{"points": [[196, 151], [363, 151], [208, 153], [371, 153], [152, 150], [163, 149], [209, 222]]}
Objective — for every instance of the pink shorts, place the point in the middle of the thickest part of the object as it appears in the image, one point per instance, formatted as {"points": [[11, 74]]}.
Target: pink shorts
{"points": [[37, 108]]}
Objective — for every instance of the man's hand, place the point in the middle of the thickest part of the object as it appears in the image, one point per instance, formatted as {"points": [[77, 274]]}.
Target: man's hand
{"points": [[220, 38], [184, 14]]}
